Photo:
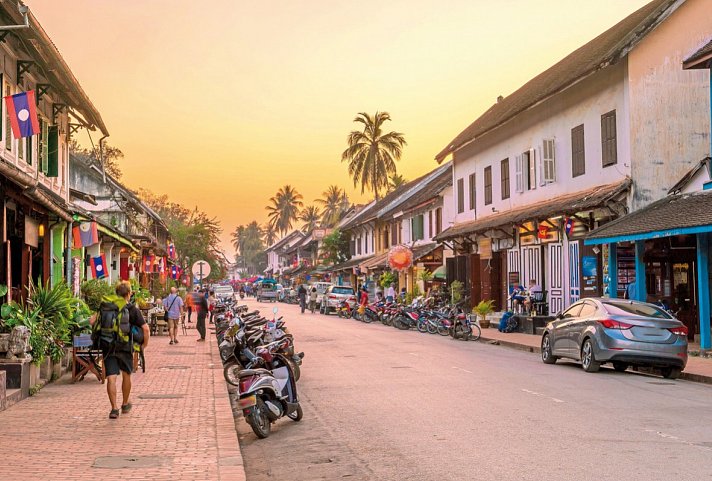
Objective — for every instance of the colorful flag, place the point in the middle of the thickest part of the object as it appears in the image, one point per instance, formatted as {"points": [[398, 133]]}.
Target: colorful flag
{"points": [[569, 226], [171, 251], [98, 267], [23, 114], [174, 272], [85, 234], [543, 232], [146, 264]]}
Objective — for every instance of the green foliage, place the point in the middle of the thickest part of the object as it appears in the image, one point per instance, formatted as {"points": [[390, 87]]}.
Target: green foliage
{"points": [[416, 291], [334, 202], [335, 248], [284, 208], [249, 248], [483, 308], [387, 279], [425, 275], [409, 298], [3, 290], [94, 291], [456, 290]]}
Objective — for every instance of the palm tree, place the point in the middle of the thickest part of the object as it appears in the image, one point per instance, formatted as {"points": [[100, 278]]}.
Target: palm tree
{"points": [[269, 234], [395, 181], [310, 215], [335, 202], [237, 238], [284, 208], [371, 154]]}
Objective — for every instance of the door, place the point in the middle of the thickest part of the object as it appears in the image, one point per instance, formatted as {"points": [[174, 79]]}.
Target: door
{"points": [[555, 278], [574, 272], [574, 330], [560, 343], [530, 266]]}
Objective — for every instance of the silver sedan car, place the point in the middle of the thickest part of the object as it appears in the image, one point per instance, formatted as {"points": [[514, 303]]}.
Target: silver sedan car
{"points": [[622, 332]]}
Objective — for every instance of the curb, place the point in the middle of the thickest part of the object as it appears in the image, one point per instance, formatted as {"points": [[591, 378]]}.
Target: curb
{"points": [[687, 376], [230, 462]]}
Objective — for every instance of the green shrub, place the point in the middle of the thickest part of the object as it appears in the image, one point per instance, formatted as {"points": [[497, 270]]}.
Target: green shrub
{"points": [[94, 291]]}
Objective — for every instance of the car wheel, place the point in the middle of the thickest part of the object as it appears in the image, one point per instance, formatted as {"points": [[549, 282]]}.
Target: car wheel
{"points": [[546, 355], [620, 366], [671, 372], [588, 358]]}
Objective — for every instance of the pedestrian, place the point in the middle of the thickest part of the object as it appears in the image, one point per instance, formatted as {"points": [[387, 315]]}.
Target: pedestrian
{"points": [[390, 293], [201, 307], [630, 291], [363, 300], [173, 306], [312, 299], [189, 305], [118, 357], [212, 302], [302, 294]]}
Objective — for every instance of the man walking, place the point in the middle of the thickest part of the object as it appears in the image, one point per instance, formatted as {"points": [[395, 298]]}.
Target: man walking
{"points": [[173, 306], [118, 357], [200, 304], [302, 294]]}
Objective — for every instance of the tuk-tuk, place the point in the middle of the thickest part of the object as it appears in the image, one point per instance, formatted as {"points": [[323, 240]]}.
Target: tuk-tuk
{"points": [[267, 290]]}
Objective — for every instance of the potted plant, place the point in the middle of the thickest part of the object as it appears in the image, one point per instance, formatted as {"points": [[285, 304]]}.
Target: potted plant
{"points": [[483, 309]]}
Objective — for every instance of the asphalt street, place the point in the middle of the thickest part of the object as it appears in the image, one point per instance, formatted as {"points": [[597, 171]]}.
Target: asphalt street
{"points": [[384, 404]]}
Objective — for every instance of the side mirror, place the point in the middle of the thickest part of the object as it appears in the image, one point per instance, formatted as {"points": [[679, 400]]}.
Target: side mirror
{"points": [[559, 316]]}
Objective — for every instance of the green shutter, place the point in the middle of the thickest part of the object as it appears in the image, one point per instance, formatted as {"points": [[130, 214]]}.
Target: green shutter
{"points": [[53, 152], [29, 150], [44, 133]]}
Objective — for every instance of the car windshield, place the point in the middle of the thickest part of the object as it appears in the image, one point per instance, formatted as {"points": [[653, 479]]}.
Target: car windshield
{"points": [[342, 290], [321, 288], [635, 309]]}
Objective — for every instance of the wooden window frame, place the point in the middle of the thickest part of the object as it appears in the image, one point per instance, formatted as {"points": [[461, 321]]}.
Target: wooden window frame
{"points": [[504, 178], [609, 139], [578, 151], [473, 191], [488, 185], [460, 195]]}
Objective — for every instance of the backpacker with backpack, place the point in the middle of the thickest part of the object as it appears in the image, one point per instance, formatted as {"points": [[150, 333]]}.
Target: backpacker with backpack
{"points": [[508, 323], [112, 329]]}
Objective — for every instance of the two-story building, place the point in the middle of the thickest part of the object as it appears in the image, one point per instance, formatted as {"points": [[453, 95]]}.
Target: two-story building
{"points": [[606, 130], [34, 170]]}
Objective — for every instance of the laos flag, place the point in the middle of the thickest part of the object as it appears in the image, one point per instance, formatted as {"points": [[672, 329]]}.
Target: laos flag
{"points": [[174, 272], [23, 114], [98, 267]]}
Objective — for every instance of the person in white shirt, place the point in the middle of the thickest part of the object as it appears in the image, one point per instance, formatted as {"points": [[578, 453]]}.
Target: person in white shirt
{"points": [[534, 289], [390, 293]]}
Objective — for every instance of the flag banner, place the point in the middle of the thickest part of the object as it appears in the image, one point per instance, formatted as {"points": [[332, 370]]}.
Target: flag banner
{"points": [[569, 226], [98, 267], [543, 232], [171, 251], [146, 264], [23, 114], [152, 263], [85, 234], [174, 272]]}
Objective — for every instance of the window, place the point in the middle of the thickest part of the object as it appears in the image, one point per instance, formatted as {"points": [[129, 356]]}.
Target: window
{"points": [[438, 220], [587, 310], [609, 146], [525, 171], [8, 129], [386, 238], [29, 150], [394, 234], [488, 185], [504, 175], [430, 223], [549, 162], [416, 228], [531, 164], [358, 245], [460, 196], [572, 311], [473, 191], [578, 157], [53, 152]]}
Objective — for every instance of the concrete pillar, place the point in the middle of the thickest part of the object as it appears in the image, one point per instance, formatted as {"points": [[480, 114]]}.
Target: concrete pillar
{"points": [[703, 289], [641, 292], [107, 249], [613, 270]]}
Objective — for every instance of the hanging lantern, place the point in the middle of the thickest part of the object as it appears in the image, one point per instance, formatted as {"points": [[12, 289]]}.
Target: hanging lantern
{"points": [[400, 258]]}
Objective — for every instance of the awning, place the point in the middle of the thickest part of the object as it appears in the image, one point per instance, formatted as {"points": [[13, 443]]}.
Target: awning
{"points": [[440, 273], [424, 250], [674, 215], [351, 263], [379, 261], [563, 205]]}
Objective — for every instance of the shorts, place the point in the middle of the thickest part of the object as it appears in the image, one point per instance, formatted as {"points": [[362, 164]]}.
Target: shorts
{"points": [[120, 361], [173, 323]]}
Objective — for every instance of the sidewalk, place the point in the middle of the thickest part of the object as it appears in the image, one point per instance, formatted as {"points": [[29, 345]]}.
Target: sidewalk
{"points": [[698, 369], [181, 426]]}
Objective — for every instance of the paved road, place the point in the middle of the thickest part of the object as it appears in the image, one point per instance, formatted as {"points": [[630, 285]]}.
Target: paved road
{"points": [[383, 404]]}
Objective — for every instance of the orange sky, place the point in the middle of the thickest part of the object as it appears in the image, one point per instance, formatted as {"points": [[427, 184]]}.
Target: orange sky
{"points": [[235, 98]]}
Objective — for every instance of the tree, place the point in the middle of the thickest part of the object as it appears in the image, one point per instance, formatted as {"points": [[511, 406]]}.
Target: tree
{"points": [[335, 203], [249, 249], [371, 154], [284, 208], [111, 156], [395, 181], [310, 215], [269, 234], [335, 248]]}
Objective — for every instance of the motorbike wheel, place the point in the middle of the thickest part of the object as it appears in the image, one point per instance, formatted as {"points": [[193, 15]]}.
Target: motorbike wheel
{"points": [[231, 374], [432, 328], [422, 327], [475, 332], [443, 331], [258, 420], [367, 318], [399, 323], [461, 332], [297, 415]]}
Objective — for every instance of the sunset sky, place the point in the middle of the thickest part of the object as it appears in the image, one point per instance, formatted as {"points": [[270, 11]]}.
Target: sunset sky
{"points": [[218, 103]]}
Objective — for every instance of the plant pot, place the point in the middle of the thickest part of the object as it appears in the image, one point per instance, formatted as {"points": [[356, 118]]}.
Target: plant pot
{"points": [[484, 323]]}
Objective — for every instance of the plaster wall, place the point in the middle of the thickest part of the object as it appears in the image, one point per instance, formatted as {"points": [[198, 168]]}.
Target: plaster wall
{"points": [[583, 103], [669, 106]]}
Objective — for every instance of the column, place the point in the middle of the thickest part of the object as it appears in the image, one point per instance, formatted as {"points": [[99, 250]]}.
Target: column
{"points": [[108, 250], [640, 289], [612, 270], [703, 289]]}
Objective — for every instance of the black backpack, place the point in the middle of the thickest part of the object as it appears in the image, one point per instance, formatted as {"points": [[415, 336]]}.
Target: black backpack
{"points": [[112, 329]]}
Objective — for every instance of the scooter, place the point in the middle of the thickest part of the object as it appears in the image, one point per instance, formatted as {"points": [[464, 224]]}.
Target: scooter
{"points": [[266, 396]]}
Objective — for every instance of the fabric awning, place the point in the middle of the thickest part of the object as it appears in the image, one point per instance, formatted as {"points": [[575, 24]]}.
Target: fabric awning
{"points": [[674, 215]]}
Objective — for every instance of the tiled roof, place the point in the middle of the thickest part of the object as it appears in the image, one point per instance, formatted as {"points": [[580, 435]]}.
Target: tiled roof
{"points": [[705, 51], [351, 263], [672, 212], [602, 51], [687, 178], [567, 204]]}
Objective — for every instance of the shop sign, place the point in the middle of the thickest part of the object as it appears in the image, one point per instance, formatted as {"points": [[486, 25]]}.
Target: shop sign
{"points": [[32, 232], [589, 269]]}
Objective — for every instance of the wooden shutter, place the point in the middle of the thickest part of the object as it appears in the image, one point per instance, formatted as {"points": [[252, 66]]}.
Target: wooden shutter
{"points": [[53, 152], [531, 181], [578, 157], [438, 220], [460, 196], [609, 147], [430, 224], [473, 191], [504, 176], [8, 128], [488, 185], [394, 234], [518, 173], [548, 159], [44, 140]]}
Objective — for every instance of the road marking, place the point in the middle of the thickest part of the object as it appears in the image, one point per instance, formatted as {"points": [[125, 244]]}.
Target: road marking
{"points": [[463, 370], [413, 354], [534, 393]]}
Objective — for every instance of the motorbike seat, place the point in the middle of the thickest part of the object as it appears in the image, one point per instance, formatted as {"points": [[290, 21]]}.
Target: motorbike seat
{"points": [[252, 372]]}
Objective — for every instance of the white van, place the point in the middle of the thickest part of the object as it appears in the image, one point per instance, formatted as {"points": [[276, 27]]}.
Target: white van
{"points": [[321, 288]]}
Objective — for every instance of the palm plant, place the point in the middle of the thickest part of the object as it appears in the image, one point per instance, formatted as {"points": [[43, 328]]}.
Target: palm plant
{"points": [[372, 154], [284, 208], [334, 202], [238, 238], [395, 181], [310, 215], [269, 234]]}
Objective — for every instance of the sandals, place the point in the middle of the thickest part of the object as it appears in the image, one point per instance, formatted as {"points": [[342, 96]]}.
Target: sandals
{"points": [[126, 408], [114, 414]]}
